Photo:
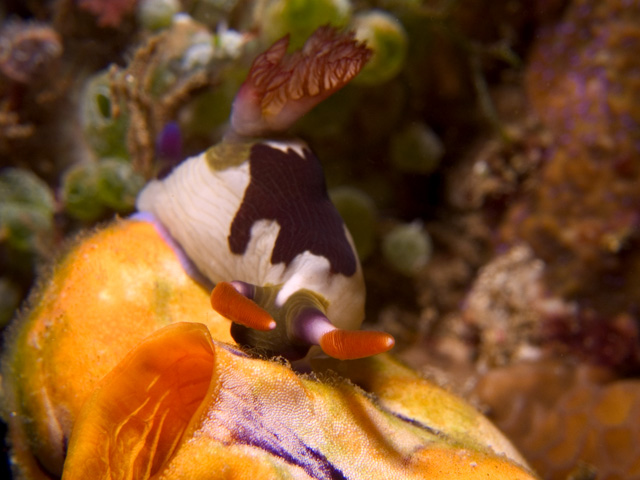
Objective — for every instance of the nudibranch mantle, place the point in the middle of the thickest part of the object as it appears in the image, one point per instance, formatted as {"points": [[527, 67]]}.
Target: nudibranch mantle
{"points": [[265, 220]]}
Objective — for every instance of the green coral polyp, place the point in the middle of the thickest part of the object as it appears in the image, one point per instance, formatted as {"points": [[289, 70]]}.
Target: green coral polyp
{"points": [[118, 184], [104, 131], [26, 210], [80, 192], [387, 38], [299, 18], [407, 248], [416, 149], [90, 190]]}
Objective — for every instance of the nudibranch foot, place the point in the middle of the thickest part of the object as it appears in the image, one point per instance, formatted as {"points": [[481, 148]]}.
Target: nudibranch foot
{"points": [[234, 302], [281, 88]]}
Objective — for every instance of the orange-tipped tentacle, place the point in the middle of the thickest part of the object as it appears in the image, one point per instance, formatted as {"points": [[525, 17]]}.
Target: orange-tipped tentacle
{"points": [[352, 344], [229, 303]]}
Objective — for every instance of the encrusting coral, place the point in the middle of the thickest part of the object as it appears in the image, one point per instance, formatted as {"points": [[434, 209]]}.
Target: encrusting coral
{"points": [[581, 216]]}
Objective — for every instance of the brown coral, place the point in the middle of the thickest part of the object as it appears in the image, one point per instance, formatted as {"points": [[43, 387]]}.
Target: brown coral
{"points": [[148, 97], [27, 50], [567, 420], [582, 216], [108, 12]]}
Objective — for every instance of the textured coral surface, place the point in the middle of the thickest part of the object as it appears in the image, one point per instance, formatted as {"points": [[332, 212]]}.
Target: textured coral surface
{"points": [[582, 216], [567, 420], [48, 373], [99, 389]]}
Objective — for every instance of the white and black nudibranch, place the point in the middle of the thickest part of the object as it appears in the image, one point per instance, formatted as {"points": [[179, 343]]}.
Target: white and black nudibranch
{"points": [[253, 216]]}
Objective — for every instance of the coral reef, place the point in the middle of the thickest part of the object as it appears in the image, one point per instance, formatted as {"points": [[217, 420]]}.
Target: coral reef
{"points": [[507, 131], [507, 304], [581, 216], [565, 286]]}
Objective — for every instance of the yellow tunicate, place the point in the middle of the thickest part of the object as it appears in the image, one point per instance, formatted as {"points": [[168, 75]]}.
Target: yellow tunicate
{"points": [[122, 360], [245, 417], [111, 290]]}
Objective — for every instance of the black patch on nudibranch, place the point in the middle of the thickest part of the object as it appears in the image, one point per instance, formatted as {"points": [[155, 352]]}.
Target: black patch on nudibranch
{"points": [[291, 190]]}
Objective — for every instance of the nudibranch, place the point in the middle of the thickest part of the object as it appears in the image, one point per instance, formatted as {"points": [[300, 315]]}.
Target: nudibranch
{"points": [[252, 215]]}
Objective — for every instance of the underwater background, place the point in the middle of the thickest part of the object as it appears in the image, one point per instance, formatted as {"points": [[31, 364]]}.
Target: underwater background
{"points": [[486, 162]]}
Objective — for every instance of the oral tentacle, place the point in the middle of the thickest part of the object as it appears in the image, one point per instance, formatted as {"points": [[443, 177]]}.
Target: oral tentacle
{"points": [[232, 304], [246, 289], [311, 326], [354, 344]]}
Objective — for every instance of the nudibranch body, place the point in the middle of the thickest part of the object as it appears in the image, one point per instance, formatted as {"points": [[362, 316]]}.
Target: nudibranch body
{"points": [[254, 211]]}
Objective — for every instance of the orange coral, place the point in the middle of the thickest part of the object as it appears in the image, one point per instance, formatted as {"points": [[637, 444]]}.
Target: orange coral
{"points": [[97, 306], [123, 360], [566, 419]]}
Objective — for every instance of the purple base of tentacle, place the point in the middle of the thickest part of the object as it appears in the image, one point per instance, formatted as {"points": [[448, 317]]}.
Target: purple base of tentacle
{"points": [[309, 326]]}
